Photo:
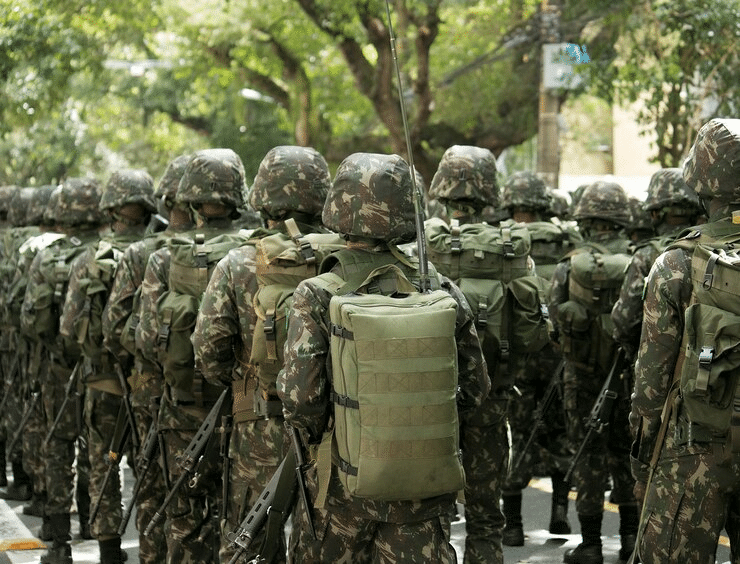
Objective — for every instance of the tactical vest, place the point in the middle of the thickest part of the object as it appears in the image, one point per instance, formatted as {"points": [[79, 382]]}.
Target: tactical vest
{"points": [[586, 327], [191, 264], [283, 261], [394, 381], [492, 268], [708, 367]]}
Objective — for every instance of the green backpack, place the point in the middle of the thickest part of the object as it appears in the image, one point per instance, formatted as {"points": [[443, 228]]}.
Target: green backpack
{"points": [[709, 367], [492, 268], [191, 265], [283, 261], [586, 326], [394, 383]]}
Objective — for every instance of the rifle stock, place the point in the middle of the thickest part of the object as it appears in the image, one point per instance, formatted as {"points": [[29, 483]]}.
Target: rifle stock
{"points": [[553, 390], [190, 459], [601, 411]]}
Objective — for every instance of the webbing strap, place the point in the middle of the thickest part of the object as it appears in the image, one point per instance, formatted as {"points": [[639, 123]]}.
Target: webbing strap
{"points": [[323, 468]]}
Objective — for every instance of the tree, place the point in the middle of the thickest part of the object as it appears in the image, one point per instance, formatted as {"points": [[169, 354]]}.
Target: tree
{"points": [[678, 59]]}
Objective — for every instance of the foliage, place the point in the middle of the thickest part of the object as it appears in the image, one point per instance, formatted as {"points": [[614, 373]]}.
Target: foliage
{"points": [[679, 60]]}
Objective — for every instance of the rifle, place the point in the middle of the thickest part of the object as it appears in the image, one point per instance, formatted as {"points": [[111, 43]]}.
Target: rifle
{"points": [[190, 459], [601, 411], [299, 462], [126, 403], [9, 384], [24, 421], [553, 391], [281, 481], [69, 389], [143, 462], [121, 436]]}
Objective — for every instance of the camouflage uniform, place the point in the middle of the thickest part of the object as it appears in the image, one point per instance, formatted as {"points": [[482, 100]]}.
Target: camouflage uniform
{"points": [[667, 193], [291, 182], [549, 454], [466, 183], [91, 276], [73, 207], [641, 227], [213, 176], [26, 379], [693, 492], [5, 195], [145, 379], [353, 529], [15, 348], [607, 453]]}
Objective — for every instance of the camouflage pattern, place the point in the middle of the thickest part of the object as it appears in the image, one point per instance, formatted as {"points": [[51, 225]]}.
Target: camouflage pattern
{"points": [[667, 188], [52, 206], [290, 179], [640, 227], [607, 454], [57, 358], [213, 176], [302, 386], [18, 207], [694, 488], [559, 206], [526, 190], [128, 186], [713, 164], [604, 200], [485, 448], [77, 204], [372, 197], [466, 175], [168, 184], [39, 202], [6, 193]]}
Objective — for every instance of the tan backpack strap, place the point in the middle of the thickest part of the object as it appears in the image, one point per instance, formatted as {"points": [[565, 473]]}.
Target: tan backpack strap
{"points": [[323, 468]]}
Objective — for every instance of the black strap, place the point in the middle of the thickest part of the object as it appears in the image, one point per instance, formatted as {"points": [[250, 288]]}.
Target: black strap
{"points": [[279, 510]]}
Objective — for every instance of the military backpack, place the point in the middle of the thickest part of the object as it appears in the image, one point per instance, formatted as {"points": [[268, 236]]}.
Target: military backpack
{"points": [[586, 326], [394, 382], [492, 267], [708, 368]]}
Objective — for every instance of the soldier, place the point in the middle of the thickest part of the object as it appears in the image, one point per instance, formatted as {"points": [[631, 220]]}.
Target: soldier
{"points": [[583, 291], [291, 184], [20, 243], [673, 207], [351, 528], [212, 188], [120, 318], [128, 202], [14, 350], [685, 454], [528, 201], [73, 208]]}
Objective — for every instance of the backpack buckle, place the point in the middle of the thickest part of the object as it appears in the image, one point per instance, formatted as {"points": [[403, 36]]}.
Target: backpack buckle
{"points": [[307, 252], [705, 357], [269, 327]]}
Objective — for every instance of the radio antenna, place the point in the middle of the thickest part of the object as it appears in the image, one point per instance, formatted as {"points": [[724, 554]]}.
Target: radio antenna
{"points": [[421, 243]]}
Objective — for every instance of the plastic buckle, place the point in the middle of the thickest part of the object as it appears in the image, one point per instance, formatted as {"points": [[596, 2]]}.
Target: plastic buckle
{"points": [[705, 357]]}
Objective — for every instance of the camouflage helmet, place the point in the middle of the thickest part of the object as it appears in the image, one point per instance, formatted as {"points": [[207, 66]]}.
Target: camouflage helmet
{"points": [[525, 189], [39, 203], [559, 206], [604, 200], [167, 186], [466, 175], [128, 186], [6, 194], [641, 220], [372, 197], [290, 179], [213, 176], [712, 168], [78, 202], [18, 206], [668, 188], [50, 211]]}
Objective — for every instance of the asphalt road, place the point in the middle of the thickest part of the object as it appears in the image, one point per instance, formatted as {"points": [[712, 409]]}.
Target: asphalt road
{"points": [[18, 544]]}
